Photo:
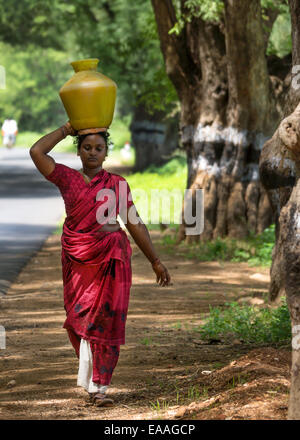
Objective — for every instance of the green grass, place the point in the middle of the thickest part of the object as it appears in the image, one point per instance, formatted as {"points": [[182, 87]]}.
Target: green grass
{"points": [[256, 250], [159, 406], [170, 179], [177, 325], [59, 227], [194, 392], [217, 365], [28, 138], [146, 341], [239, 380], [249, 323]]}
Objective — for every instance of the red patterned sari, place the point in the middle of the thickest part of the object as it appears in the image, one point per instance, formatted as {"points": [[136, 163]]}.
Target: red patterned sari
{"points": [[96, 267]]}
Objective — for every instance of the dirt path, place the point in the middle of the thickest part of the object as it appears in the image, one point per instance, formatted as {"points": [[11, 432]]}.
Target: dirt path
{"points": [[163, 358]]}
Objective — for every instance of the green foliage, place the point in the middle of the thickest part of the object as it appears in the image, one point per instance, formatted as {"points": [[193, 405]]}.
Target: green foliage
{"points": [[249, 323], [48, 34], [213, 10], [33, 79], [282, 6], [38, 22], [208, 10], [123, 35], [157, 92], [280, 42]]}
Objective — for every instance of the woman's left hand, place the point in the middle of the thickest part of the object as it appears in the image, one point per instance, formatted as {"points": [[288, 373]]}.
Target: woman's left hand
{"points": [[70, 130], [162, 275]]}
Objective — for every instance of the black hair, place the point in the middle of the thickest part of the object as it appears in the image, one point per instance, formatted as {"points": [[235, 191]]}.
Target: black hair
{"points": [[105, 134]]}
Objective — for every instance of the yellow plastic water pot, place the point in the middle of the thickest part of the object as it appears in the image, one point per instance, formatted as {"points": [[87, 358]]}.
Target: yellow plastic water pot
{"points": [[89, 96]]}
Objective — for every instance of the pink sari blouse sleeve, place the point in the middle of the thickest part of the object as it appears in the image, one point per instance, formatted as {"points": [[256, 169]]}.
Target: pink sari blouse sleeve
{"points": [[59, 176]]}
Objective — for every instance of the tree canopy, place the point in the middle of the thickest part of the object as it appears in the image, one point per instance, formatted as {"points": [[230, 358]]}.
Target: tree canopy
{"points": [[41, 37], [44, 36]]}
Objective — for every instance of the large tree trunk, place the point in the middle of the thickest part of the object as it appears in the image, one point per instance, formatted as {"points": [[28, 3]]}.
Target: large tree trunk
{"points": [[154, 137], [202, 136], [250, 118], [227, 112], [280, 171]]}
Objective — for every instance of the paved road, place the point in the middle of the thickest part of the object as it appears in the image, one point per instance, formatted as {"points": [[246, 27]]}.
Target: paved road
{"points": [[30, 208]]}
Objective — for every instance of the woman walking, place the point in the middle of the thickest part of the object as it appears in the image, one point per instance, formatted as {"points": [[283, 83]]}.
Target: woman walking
{"points": [[96, 254]]}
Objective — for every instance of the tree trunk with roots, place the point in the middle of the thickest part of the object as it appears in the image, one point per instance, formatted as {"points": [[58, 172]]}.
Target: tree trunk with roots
{"points": [[280, 171], [227, 112], [154, 137]]}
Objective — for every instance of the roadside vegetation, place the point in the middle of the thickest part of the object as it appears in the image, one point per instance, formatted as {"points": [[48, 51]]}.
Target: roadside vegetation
{"points": [[249, 324]]}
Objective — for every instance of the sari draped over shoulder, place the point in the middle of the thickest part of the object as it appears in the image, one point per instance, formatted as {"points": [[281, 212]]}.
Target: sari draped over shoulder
{"points": [[96, 265]]}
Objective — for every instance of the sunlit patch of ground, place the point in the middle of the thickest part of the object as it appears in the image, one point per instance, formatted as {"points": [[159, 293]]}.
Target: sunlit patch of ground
{"points": [[160, 373]]}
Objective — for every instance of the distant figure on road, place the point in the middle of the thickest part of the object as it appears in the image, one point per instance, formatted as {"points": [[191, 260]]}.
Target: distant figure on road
{"points": [[126, 151], [9, 132]]}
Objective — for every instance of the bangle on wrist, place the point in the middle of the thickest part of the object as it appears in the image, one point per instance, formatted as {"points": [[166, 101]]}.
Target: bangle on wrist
{"points": [[155, 261], [64, 130]]}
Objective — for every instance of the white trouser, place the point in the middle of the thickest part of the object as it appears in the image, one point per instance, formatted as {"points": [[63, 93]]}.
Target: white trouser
{"points": [[85, 371]]}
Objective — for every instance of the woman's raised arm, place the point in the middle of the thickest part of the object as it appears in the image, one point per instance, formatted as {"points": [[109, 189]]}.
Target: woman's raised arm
{"points": [[38, 152]]}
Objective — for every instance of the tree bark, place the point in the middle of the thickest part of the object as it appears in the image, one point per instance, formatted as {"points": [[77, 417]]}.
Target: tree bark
{"points": [[286, 262], [227, 112], [280, 171]]}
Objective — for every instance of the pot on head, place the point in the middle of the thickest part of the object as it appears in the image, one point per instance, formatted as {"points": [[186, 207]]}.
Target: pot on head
{"points": [[89, 96]]}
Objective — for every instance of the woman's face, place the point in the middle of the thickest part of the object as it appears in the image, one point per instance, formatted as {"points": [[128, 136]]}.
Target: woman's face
{"points": [[92, 151]]}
